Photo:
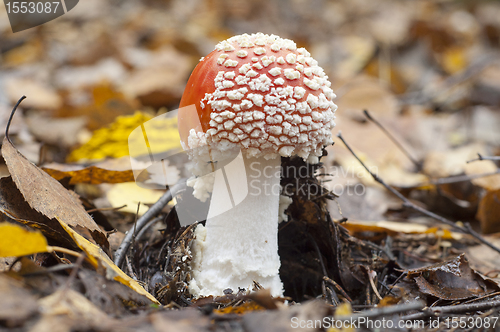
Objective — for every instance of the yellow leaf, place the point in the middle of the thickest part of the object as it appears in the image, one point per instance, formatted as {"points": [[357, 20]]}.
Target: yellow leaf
{"points": [[109, 142], [113, 141], [241, 309], [98, 257], [454, 60], [344, 309], [392, 227], [17, 241], [130, 194]]}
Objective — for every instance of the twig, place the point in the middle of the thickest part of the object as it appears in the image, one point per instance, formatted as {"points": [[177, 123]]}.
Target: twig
{"points": [[55, 268], [337, 286], [481, 157], [422, 97], [482, 297], [142, 221], [372, 283], [393, 139], [10, 118], [72, 275], [455, 309], [65, 251], [384, 311], [107, 209], [406, 203], [459, 178], [130, 269], [146, 227]]}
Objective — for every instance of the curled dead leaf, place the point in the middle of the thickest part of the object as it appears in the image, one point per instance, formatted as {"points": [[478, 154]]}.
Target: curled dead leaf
{"points": [[488, 212], [109, 171], [13, 205], [452, 280], [46, 195]]}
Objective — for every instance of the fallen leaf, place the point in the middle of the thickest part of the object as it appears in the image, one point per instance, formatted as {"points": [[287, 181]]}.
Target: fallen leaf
{"points": [[24, 54], [56, 131], [279, 320], [452, 280], [488, 212], [452, 162], [13, 205], [108, 171], [68, 309], [130, 194], [186, 320], [454, 59], [41, 96], [491, 182], [392, 228], [103, 106], [162, 81], [18, 241], [363, 93], [99, 258], [46, 195], [110, 142], [17, 303], [241, 309]]}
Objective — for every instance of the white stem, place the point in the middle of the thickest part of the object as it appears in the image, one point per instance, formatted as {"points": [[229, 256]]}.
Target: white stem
{"points": [[240, 245]]}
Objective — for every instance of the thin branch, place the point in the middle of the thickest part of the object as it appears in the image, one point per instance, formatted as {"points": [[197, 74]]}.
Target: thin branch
{"points": [[65, 251], [476, 67], [12, 116], [417, 163], [383, 311], [460, 178], [141, 233], [74, 271], [372, 283], [337, 286], [481, 157], [406, 203], [455, 309], [107, 209], [142, 221]]}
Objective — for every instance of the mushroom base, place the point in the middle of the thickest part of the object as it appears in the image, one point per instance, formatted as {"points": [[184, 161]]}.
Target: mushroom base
{"points": [[240, 246]]}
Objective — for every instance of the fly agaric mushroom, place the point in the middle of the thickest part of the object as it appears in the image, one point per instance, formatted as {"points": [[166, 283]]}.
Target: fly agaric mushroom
{"points": [[263, 95]]}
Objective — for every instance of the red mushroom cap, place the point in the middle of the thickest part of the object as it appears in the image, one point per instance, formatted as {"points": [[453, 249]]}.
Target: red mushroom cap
{"points": [[264, 94]]}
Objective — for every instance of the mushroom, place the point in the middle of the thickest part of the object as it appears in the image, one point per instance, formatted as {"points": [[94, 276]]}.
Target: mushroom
{"points": [[263, 95]]}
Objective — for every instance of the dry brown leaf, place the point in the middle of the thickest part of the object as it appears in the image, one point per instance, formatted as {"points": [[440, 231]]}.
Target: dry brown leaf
{"points": [[98, 258], [106, 104], [451, 162], [68, 310], [41, 96], [366, 93], [13, 205], [61, 132], [392, 228], [17, 302], [488, 212], [491, 182], [162, 81], [46, 195], [109, 171], [452, 280]]}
